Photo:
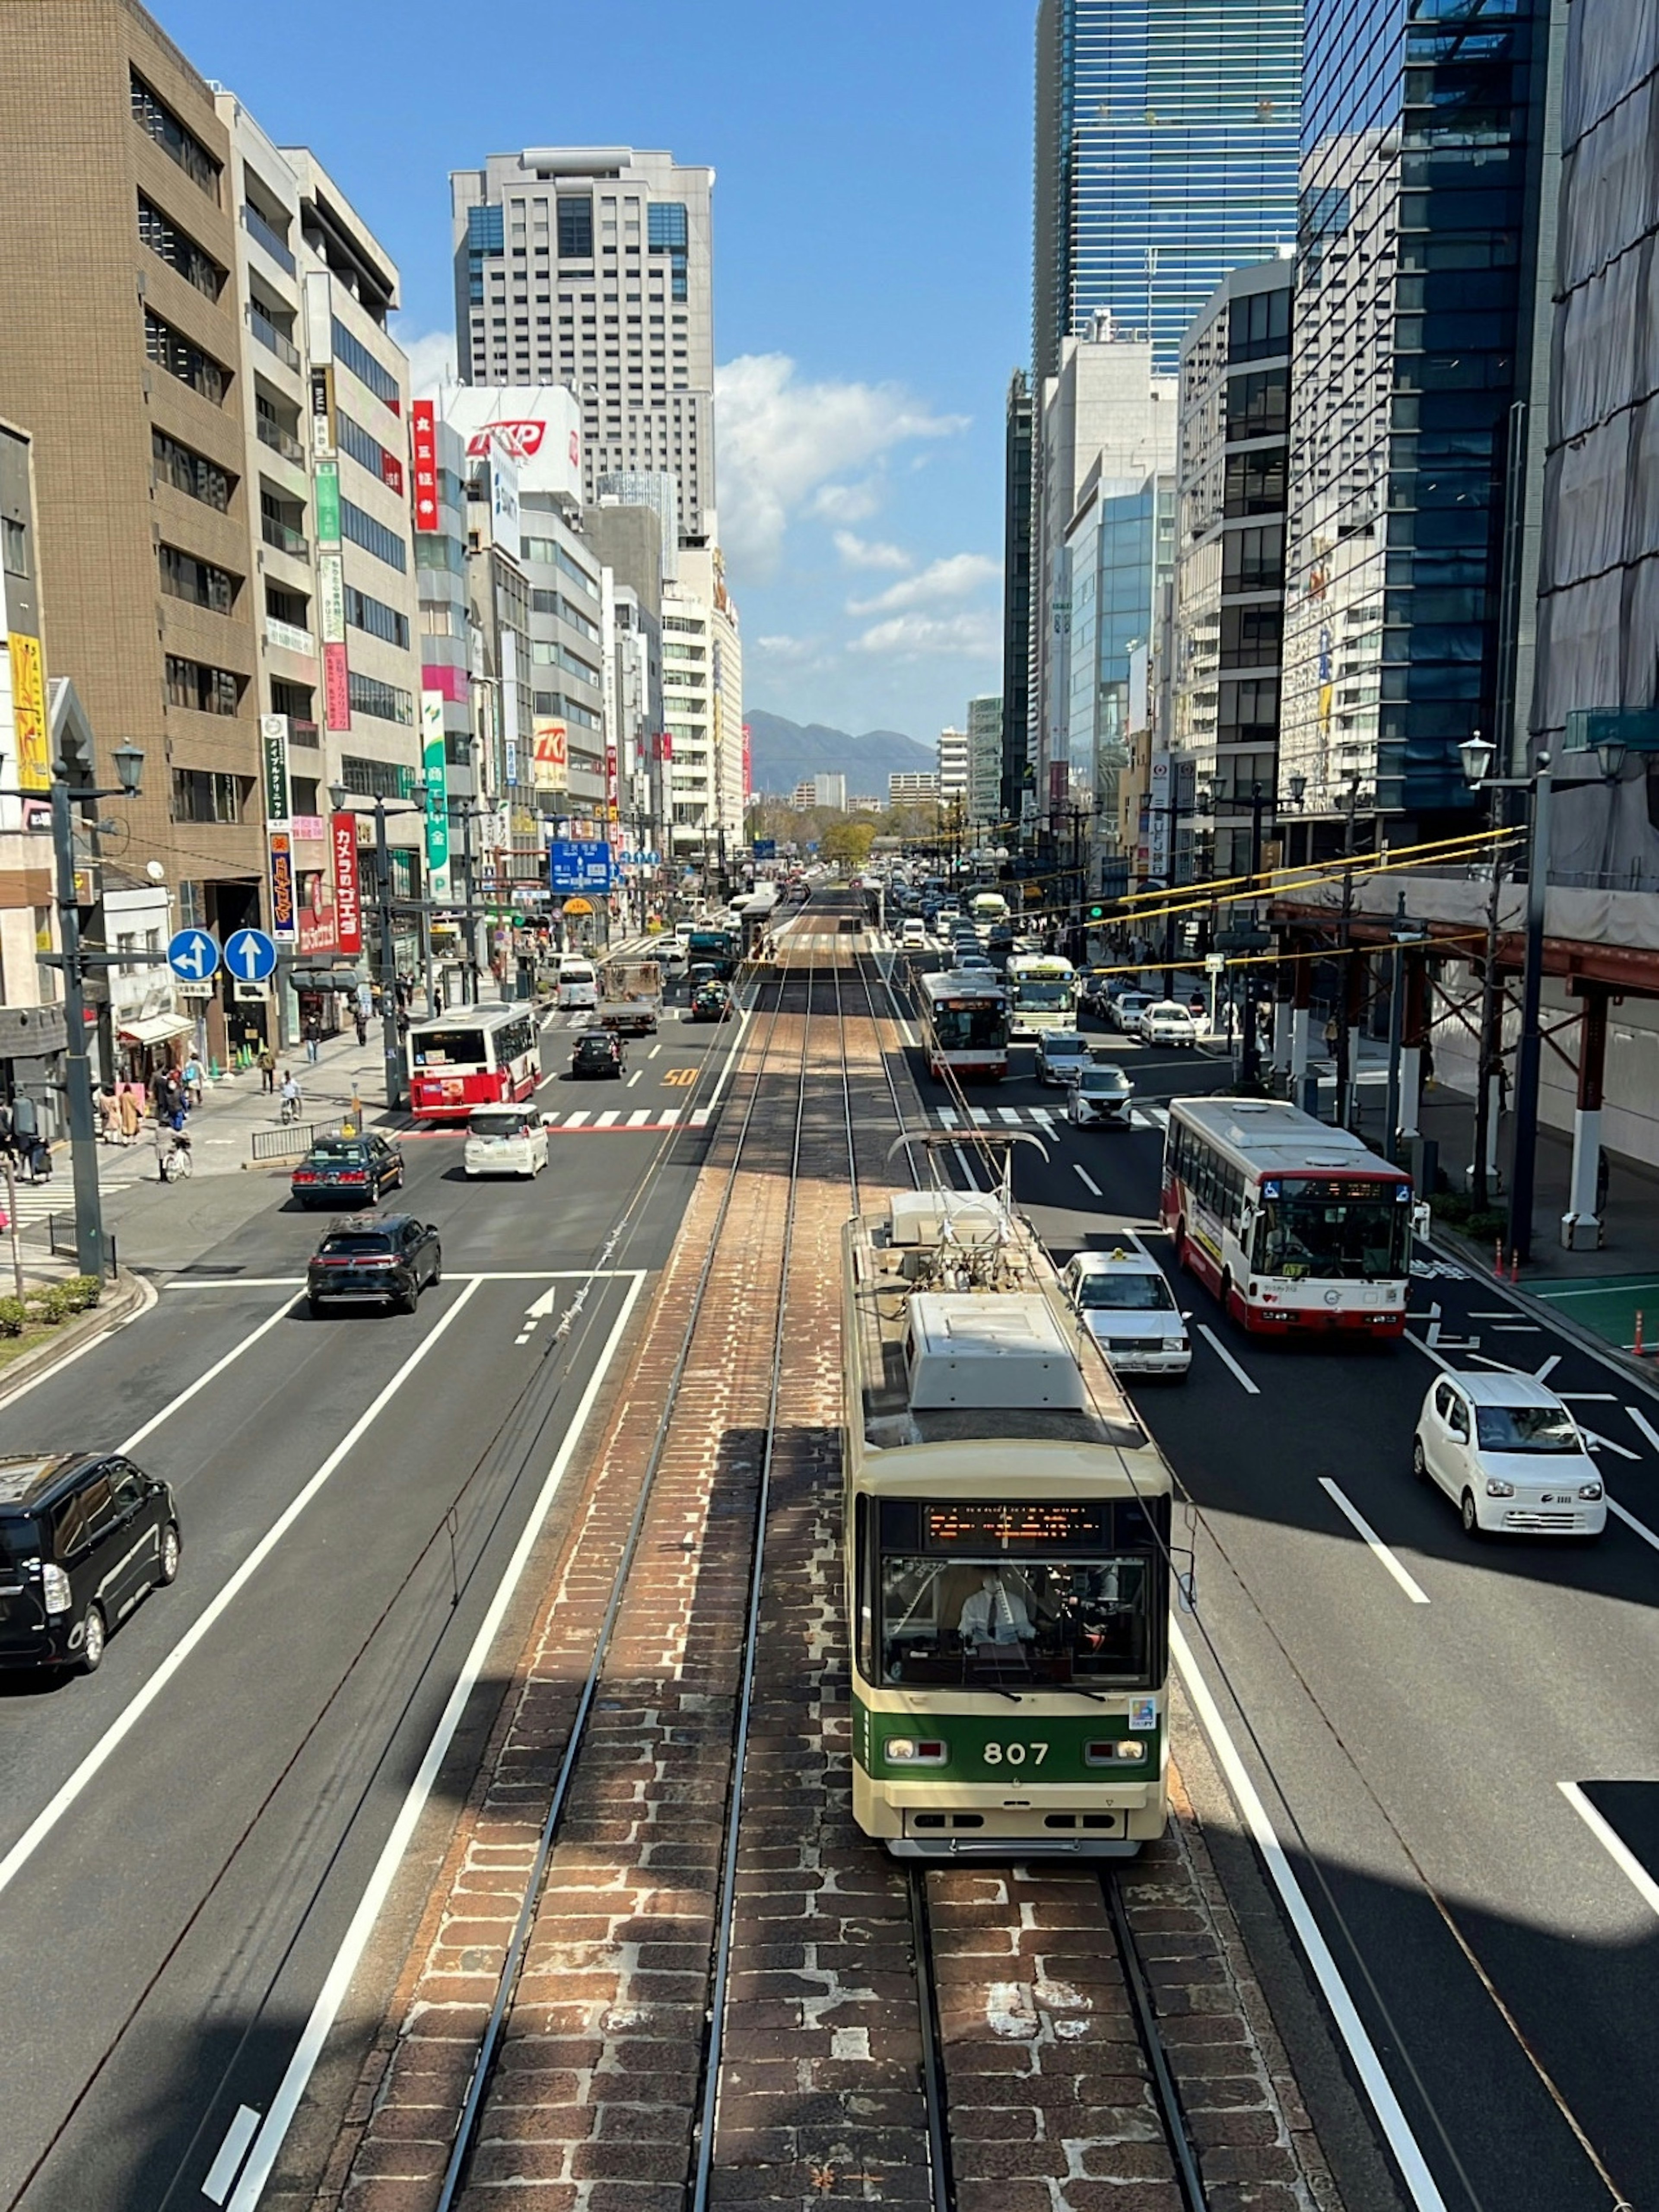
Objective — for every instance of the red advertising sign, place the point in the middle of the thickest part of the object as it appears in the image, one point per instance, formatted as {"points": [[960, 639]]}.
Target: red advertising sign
{"points": [[316, 912], [520, 440], [423, 432], [348, 905], [336, 688], [284, 918]]}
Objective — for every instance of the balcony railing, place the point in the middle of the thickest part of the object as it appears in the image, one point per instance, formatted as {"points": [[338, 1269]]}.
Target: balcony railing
{"points": [[256, 227], [283, 537], [269, 337], [281, 442]]}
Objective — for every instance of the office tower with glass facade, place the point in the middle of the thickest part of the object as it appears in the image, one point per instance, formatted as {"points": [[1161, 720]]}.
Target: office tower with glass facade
{"points": [[1416, 417], [1015, 769], [1167, 135]]}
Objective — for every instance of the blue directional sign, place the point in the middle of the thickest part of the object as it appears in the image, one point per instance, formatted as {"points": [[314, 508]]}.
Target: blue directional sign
{"points": [[193, 955], [579, 864], [250, 955]]}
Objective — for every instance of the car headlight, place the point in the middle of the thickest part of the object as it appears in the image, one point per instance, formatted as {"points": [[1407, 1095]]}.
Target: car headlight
{"points": [[1496, 1489], [55, 1585], [915, 1751], [1590, 1492], [1179, 1344]]}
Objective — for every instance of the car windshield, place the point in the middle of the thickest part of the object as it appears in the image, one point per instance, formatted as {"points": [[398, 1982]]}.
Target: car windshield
{"points": [[447, 1048], [1123, 1291], [996, 1620], [1111, 1080], [593, 1047], [1526, 1429], [495, 1125], [357, 1240], [1171, 1012], [1058, 1046], [336, 1149], [1357, 1239]]}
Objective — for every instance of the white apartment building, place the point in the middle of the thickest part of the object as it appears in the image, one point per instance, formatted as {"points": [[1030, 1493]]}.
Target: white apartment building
{"points": [[951, 754], [912, 786], [703, 709], [592, 267]]}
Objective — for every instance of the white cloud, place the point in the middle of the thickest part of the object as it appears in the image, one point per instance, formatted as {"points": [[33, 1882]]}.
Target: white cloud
{"points": [[842, 502], [908, 637], [782, 441], [791, 652], [863, 553], [957, 577], [431, 361]]}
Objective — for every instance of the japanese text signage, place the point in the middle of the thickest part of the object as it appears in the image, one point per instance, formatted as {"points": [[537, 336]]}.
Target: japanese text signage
{"points": [[28, 706], [273, 754], [348, 904], [423, 431], [437, 793], [579, 864], [552, 754], [284, 910]]}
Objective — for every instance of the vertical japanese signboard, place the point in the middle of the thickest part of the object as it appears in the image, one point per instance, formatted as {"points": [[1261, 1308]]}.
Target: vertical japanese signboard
{"points": [[28, 706], [273, 755], [437, 794], [331, 592], [284, 910], [552, 754], [423, 434], [348, 900]]}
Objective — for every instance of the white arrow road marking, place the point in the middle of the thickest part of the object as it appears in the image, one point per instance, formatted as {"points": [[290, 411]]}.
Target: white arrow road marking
{"points": [[1640, 1423]]}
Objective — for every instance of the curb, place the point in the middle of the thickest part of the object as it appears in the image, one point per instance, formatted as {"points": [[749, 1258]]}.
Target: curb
{"points": [[1453, 1246], [133, 1296]]}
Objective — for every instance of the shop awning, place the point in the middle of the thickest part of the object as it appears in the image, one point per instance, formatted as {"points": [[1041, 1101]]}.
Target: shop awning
{"points": [[156, 1029]]}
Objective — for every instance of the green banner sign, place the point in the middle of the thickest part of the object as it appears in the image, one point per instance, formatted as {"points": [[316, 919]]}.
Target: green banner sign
{"points": [[437, 790], [327, 481]]}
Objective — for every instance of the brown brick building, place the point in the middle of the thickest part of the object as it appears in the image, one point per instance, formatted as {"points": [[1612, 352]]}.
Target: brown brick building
{"points": [[120, 349]]}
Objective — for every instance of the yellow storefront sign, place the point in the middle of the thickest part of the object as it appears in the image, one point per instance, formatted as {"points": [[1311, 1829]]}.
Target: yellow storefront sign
{"points": [[28, 706]]}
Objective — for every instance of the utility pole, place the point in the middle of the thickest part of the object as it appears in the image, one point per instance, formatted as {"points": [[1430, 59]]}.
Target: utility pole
{"points": [[390, 1044], [1250, 1058], [1344, 986]]}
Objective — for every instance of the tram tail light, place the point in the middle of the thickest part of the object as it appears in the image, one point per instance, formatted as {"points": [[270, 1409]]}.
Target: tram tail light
{"points": [[916, 1751]]}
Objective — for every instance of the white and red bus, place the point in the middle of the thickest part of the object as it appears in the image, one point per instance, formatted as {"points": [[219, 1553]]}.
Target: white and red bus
{"points": [[1295, 1226], [964, 1025], [475, 1056]]}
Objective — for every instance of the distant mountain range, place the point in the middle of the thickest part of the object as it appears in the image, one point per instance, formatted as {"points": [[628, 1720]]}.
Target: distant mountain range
{"points": [[783, 754]]}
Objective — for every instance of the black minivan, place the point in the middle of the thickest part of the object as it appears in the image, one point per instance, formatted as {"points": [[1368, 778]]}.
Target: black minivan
{"points": [[83, 1537]]}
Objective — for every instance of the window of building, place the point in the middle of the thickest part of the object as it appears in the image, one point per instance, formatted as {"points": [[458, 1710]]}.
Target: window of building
{"points": [[157, 121], [369, 453], [1259, 325], [356, 356], [373, 778], [1250, 636], [169, 349], [384, 702], [184, 576], [375, 619], [286, 606], [1253, 560], [373, 537], [204, 689], [14, 546], [1255, 483], [201, 795], [178, 250], [1258, 406], [575, 228]]}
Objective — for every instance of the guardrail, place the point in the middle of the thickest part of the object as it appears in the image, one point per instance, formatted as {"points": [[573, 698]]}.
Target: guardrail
{"points": [[287, 1140]]}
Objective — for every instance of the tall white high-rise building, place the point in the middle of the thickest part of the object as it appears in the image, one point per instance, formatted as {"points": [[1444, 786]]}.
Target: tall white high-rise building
{"points": [[951, 757], [592, 267]]}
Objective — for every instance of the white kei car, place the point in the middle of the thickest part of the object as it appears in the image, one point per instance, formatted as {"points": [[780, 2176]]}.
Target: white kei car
{"points": [[1125, 1305], [506, 1140], [1508, 1452]]}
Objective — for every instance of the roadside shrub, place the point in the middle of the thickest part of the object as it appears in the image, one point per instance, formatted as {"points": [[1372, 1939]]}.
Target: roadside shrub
{"points": [[14, 1317], [51, 1304], [80, 1291]]}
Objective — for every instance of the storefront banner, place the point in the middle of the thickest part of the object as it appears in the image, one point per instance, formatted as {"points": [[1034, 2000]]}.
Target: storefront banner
{"points": [[437, 794], [28, 706], [316, 912], [423, 433], [336, 688], [284, 912], [348, 905], [331, 598], [273, 754], [325, 506], [551, 755]]}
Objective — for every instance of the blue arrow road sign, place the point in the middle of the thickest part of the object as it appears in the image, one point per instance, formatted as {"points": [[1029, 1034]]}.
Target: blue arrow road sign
{"points": [[193, 955], [250, 955]]}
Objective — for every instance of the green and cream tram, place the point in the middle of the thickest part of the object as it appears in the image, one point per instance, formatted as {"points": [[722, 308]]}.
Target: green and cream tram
{"points": [[1007, 1536]]}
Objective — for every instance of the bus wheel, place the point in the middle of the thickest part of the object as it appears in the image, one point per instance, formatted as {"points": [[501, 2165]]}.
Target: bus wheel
{"points": [[1181, 1243]]}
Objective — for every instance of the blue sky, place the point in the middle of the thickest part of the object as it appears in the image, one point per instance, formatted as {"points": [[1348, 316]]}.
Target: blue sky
{"points": [[872, 254]]}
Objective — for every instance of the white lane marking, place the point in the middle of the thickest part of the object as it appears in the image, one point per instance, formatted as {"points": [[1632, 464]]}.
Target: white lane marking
{"points": [[731, 1052], [1548, 1368], [1607, 1443], [981, 1116], [1407, 2153], [59, 1803], [609, 1120], [1622, 1856], [1516, 1329], [967, 1175], [1345, 1505], [668, 1116], [638, 1120], [233, 2149], [654, 1050], [633, 1078], [575, 1121], [330, 1996], [1428, 1351], [1637, 1528], [947, 1116], [1010, 1114], [212, 1374], [1044, 1120], [1592, 1398], [238, 1283], [1086, 1178], [1226, 1358], [1639, 1421], [701, 1116]]}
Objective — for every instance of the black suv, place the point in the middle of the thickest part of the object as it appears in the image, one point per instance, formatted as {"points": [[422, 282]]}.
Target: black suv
{"points": [[83, 1537], [393, 1261], [348, 1167], [597, 1053]]}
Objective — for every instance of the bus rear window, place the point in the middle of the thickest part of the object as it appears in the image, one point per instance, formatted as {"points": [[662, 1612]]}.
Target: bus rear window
{"points": [[447, 1048]]}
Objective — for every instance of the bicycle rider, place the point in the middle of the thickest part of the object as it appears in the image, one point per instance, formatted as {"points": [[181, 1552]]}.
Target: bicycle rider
{"points": [[291, 1099]]}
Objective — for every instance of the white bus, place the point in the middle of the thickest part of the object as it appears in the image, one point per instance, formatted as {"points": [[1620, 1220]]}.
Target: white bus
{"points": [[987, 908], [1295, 1226], [1042, 992], [964, 1025]]}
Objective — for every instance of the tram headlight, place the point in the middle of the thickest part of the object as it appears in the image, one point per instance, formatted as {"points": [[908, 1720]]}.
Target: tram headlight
{"points": [[1497, 1489], [1126, 1754], [916, 1751]]}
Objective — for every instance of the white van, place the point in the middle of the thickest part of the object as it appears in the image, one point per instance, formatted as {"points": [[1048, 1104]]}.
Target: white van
{"points": [[578, 986]]}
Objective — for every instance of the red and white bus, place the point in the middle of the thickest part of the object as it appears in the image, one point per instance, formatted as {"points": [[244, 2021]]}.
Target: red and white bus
{"points": [[475, 1057], [964, 1026], [1294, 1225]]}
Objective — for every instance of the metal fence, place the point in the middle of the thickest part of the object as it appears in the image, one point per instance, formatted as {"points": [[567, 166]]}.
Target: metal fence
{"points": [[60, 1239], [287, 1141]]}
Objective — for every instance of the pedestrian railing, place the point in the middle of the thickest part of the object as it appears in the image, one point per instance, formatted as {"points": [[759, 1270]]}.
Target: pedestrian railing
{"points": [[286, 1142], [61, 1240]]}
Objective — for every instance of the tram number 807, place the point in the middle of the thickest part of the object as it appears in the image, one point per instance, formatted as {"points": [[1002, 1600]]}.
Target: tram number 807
{"points": [[1015, 1754]]}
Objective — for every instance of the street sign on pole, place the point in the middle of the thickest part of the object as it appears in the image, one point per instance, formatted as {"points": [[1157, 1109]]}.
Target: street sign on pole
{"points": [[193, 955], [250, 955]]}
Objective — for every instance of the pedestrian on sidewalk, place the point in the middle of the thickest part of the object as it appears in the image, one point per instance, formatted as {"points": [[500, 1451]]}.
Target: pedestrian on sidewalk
{"points": [[195, 1080], [314, 1035], [26, 1135], [131, 1112], [362, 1020], [109, 1116], [1332, 1033], [267, 1066]]}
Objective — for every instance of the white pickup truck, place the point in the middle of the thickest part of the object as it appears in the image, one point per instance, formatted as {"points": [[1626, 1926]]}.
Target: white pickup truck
{"points": [[631, 997]]}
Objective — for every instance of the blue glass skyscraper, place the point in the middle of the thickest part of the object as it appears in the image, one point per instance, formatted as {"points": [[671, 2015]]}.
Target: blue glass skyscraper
{"points": [[1167, 140]]}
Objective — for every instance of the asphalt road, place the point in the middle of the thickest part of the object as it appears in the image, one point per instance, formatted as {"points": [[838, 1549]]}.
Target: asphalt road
{"points": [[186, 1838], [1499, 1947]]}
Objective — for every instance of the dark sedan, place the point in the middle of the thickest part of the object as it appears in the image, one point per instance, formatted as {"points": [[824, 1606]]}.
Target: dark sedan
{"points": [[391, 1263], [338, 1167], [597, 1053], [712, 1002]]}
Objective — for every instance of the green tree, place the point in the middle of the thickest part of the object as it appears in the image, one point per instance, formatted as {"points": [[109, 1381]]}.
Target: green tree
{"points": [[847, 840]]}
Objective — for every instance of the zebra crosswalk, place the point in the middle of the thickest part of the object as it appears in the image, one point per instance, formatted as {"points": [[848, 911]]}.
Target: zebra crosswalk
{"points": [[35, 1201], [1041, 1118], [617, 1121]]}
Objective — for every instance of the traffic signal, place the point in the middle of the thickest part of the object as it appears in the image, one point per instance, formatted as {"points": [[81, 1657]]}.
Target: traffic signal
{"points": [[1097, 910]]}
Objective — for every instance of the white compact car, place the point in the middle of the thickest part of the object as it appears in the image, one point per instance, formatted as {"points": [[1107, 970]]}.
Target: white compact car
{"points": [[1508, 1452], [505, 1140], [1124, 1012], [1061, 1055], [913, 937], [1166, 1023], [1127, 1307], [1100, 1098]]}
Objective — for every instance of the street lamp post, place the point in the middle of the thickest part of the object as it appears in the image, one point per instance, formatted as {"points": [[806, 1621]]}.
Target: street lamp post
{"points": [[1403, 931]]}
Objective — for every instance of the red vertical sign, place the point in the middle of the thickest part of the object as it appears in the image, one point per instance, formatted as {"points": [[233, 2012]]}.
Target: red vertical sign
{"points": [[348, 906], [423, 431]]}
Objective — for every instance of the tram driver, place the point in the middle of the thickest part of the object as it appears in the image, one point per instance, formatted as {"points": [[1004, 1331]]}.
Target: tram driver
{"points": [[995, 1612]]}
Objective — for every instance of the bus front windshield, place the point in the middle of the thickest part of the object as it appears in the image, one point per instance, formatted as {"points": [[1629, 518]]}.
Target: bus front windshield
{"points": [[995, 1620], [1046, 991], [971, 1025], [447, 1048], [1347, 1232]]}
